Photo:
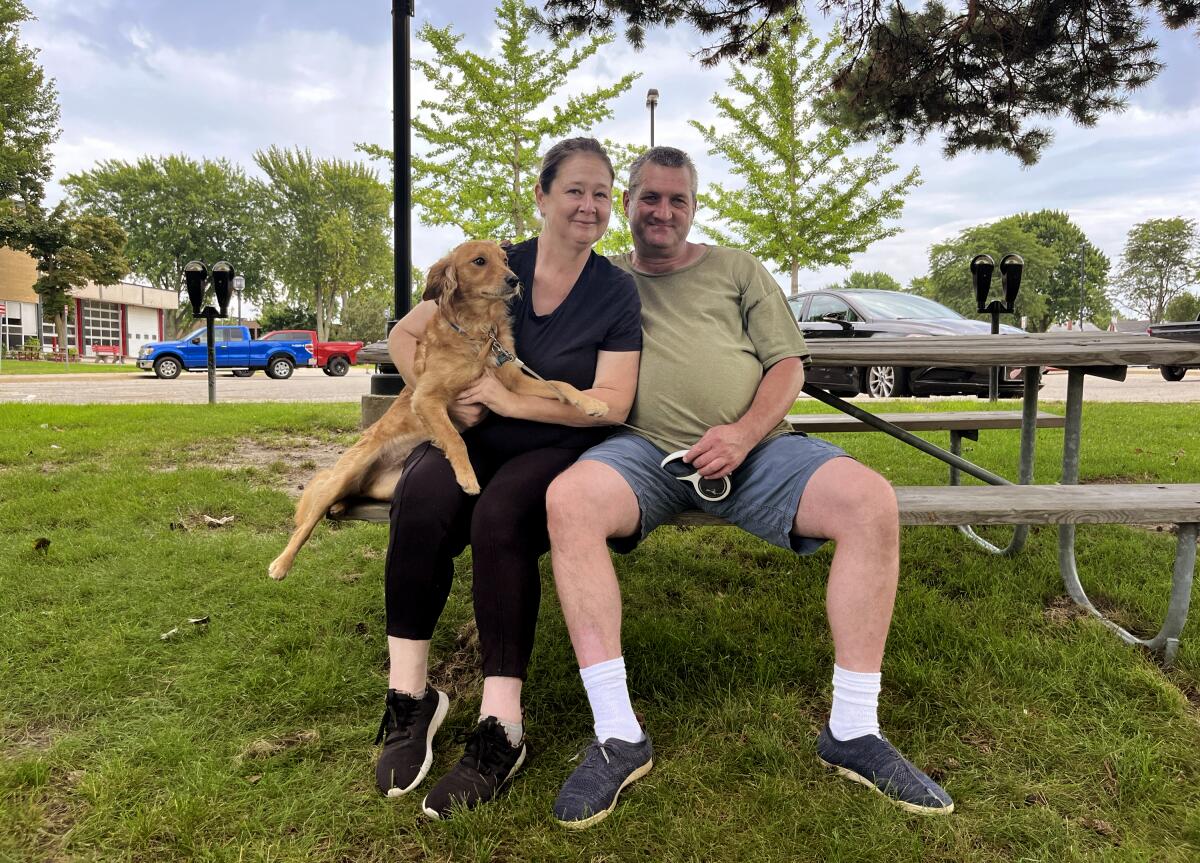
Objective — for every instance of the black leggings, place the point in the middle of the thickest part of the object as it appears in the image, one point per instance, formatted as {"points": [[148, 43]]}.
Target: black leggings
{"points": [[433, 520]]}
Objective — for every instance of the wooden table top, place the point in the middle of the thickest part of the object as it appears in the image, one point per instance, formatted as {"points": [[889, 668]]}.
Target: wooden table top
{"points": [[1062, 350]]}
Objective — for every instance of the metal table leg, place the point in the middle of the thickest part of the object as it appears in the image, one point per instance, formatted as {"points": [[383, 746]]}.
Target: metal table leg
{"points": [[1029, 410], [1166, 641]]}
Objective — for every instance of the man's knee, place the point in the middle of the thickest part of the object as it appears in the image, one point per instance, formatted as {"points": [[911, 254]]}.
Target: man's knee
{"points": [[589, 498], [855, 501]]}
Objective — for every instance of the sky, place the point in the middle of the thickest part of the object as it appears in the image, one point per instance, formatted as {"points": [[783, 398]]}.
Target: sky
{"points": [[225, 79]]}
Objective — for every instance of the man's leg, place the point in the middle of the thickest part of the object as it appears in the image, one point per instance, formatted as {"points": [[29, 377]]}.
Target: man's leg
{"points": [[585, 506], [856, 508]]}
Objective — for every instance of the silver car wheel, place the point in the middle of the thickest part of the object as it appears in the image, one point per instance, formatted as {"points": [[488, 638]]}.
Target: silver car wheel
{"points": [[881, 382]]}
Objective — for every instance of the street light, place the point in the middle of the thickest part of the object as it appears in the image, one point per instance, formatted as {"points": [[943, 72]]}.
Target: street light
{"points": [[239, 285], [651, 102]]}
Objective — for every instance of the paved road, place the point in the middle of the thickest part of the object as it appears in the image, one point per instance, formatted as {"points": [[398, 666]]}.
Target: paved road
{"points": [[313, 385]]}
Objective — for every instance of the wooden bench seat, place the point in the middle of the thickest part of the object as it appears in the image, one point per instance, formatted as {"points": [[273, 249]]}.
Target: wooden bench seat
{"points": [[108, 353], [983, 504], [960, 421], [1063, 505]]}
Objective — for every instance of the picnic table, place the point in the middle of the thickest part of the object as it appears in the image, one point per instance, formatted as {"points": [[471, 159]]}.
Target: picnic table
{"points": [[1020, 504], [1107, 355]]}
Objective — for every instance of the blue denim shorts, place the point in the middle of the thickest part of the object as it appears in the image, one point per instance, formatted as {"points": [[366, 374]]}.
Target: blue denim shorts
{"points": [[766, 487]]}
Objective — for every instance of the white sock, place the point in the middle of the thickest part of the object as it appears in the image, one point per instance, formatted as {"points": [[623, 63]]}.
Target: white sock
{"points": [[855, 704], [608, 695], [514, 731]]}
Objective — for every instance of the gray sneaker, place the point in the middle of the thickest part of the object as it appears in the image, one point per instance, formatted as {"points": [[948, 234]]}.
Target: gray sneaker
{"points": [[875, 763], [591, 791]]}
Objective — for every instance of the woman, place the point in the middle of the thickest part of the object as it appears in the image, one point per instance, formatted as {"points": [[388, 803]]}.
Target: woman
{"points": [[578, 320]]}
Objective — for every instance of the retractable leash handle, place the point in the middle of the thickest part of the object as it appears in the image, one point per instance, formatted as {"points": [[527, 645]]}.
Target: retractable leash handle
{"points": [[709, 488]]}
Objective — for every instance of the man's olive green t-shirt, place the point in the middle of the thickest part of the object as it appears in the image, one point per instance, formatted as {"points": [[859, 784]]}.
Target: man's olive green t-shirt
{"points": [[710, 331]]}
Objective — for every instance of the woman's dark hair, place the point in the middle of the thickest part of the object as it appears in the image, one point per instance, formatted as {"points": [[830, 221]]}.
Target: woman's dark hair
{"points": [[563, 150]]}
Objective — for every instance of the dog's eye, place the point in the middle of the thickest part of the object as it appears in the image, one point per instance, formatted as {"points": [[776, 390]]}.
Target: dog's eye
{"points": [[480, 261]]}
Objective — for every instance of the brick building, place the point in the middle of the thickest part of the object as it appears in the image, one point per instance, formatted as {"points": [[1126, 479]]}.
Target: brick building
{"points": [[125, 314]]}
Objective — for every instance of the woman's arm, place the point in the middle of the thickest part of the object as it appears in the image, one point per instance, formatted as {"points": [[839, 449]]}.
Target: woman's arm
{"points": [[615, 385], [402, 340]]}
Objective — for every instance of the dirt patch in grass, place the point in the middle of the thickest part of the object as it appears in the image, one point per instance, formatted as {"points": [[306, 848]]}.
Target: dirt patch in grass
{"points": [[15, 742], [1062, 610], [290, 463], [458, 674]]}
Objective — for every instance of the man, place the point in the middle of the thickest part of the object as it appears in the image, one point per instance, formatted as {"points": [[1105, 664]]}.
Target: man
{"points": [[722, 362]]}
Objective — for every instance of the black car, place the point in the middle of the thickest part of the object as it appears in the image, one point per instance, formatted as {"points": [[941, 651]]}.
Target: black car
{"points": [[891, 314]]}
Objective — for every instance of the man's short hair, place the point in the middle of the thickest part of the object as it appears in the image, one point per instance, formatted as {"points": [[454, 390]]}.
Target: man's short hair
{"points": [[664, 157]]}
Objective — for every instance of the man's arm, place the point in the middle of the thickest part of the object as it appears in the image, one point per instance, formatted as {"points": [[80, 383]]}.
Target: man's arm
{"points": [[723, 448]]}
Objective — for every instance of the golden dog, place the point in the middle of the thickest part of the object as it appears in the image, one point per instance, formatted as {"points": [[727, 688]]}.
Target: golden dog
{"points": [[470, 335]]}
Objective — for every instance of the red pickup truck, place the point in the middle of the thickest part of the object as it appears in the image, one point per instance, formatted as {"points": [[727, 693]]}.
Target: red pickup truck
{"points": [[333, 358]]}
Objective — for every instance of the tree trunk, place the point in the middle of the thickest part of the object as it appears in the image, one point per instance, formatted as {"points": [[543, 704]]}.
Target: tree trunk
{"points": [[795, 279], [60, 326], [320, 309], [518, 219]]}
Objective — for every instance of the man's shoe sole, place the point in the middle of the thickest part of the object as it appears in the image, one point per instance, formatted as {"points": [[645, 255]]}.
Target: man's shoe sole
{"points": [[434, 724], [907, 807], [602, 814], [433, 813]]}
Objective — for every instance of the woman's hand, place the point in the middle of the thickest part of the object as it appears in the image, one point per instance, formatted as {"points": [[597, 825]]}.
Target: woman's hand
{"points": [[491, 394], [465, 415]]}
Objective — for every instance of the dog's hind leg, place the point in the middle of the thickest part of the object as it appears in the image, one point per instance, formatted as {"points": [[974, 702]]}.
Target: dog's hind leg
{"points": [[326, 488]]}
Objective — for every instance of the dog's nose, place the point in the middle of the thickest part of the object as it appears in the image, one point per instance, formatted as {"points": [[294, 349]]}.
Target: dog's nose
{"points": [[512, 281]]}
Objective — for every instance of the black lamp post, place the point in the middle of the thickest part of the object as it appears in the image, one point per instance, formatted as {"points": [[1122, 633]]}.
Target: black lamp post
{"points": [[386, 380], [651, 103], [982, 268], [196, 275]]}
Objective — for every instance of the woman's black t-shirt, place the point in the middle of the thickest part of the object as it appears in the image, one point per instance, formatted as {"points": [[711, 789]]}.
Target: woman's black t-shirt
{"points": [[601, 313]]}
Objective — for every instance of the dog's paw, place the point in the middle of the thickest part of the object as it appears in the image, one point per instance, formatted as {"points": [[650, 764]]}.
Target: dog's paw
{"points": [[468, 483], [278, 569], [338, 508], [592, 407]]}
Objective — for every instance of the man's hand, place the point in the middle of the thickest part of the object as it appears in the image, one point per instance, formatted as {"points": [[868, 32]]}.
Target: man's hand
{"points": [[490, 394], [721, 451]]}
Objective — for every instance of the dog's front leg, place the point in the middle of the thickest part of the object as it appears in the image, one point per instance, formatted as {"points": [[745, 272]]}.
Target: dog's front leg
{"points": [[431, 410], [522, 384]]}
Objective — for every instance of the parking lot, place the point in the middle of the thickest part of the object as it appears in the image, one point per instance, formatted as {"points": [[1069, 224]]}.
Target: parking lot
{"points": [[313, 385]]}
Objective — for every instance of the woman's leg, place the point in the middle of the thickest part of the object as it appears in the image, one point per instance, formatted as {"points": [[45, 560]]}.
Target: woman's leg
{"points": [[508, 535], [430, 519]]}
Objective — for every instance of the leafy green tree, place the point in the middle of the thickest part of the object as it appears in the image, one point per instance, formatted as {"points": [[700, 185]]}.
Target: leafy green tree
{"points": [[329, 221], [949, 277], [1160, 261], [976, 72], [803, 201], [1050, 244], [176, 209], [1185, 307], [491, 121], [877, 281], [1055, 230], [71, 251], [28, 125], [281, 316]]}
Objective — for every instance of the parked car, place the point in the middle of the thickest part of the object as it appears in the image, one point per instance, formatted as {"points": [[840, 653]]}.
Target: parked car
{"points": [[893, 315], [333, 358], [233, 349], [1185, 331]]}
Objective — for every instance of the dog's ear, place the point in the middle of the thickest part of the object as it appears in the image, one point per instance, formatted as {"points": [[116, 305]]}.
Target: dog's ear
{"points": [[441, 280]]}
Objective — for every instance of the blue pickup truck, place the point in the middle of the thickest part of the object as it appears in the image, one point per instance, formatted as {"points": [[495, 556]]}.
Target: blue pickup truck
{"points": [[234, 350]]}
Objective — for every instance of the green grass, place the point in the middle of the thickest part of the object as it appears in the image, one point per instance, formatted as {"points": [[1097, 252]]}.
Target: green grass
{"points": [[75, 367], [1057, 741]]}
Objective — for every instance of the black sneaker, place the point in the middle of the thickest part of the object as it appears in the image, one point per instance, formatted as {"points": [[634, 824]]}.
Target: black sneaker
{"points": [[591, 791], [407, 730], [489, 762], [875, 763]]}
